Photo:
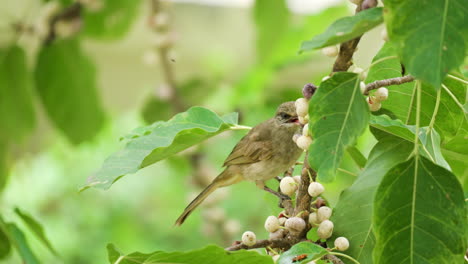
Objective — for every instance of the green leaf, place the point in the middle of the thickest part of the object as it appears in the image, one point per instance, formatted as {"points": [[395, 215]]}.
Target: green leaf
{"points": [[312, 251], [419, 215], [18, 239], [345, 29], [66, 83], [270, 15], [431, 43], [209, 254], [36, 228], [352, 214], [456, 153], [113, 21], [430, 140], [16, 103], [3, 164], [115, 256], [357, 156], [450, 117], [5, 244], [148, 145], [338, 114]]}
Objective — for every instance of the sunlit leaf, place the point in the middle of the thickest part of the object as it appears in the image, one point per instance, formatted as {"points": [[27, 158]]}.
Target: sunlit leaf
{"points": [[311, 250], [148, 145], [18, 240], [431, 43], [270, 15], [419, 215], [345, 29], [16, 107], [5, 244], [209, 254], [113, 20], [36, 229], [338, 115], [66, 83], [352, 214]]}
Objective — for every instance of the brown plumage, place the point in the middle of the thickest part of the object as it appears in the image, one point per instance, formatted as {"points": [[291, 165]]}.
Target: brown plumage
{"points": [[265, 152]]}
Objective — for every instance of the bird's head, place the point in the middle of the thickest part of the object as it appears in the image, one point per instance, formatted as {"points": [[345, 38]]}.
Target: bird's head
{"points": [[286, 115]]}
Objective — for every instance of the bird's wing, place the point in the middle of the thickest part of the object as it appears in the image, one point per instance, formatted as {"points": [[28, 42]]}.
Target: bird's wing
{"points": [[253, 147]]}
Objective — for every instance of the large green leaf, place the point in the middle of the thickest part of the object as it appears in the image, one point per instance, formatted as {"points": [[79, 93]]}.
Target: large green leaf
{"points": [[431, 43], [312, 251], [3, 164], [430, 147], [345, 29], [5, 244], [66, 83], [269, 15], [352, 214], [449, 118], [209, 254], [338, 115], [16, 106], [36, 229], [419, 215], [456, 153], [153, 143], [18, 239], [113, 20]]}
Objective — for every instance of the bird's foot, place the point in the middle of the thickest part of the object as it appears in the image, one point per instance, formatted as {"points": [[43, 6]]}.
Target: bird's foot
{"points": [[280, 195]]}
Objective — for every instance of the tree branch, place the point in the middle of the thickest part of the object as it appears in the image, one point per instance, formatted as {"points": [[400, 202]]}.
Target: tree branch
{"points": [[347, 49], [278, 243], [387, 82]]}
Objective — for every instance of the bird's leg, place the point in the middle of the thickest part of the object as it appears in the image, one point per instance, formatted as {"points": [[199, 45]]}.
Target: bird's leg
{"points": [[282, 196]]}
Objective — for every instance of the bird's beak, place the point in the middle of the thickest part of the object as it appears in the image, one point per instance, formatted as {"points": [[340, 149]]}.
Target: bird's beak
{"points": [[294, 119]]}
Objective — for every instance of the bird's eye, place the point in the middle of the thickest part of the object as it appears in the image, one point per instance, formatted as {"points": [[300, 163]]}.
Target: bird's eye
{"points": [[285, 116]]}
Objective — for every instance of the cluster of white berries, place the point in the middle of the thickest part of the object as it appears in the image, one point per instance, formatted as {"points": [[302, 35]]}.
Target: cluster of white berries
{"points": [[302, 108], [283, 225], [374, 101]]}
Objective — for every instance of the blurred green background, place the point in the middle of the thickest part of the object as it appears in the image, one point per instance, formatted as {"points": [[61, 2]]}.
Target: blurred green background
{"points": [[227, 56]]}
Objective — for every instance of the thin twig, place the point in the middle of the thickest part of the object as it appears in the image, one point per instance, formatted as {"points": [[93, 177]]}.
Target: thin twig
{"points": [[388, 82], [279, 243]]}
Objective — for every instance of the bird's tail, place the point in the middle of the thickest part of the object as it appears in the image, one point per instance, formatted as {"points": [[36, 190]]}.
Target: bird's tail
{"points": [[197, 201]]}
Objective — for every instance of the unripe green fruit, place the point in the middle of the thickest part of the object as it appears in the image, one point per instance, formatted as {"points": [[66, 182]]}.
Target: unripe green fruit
{"points": [[302, 107], [331, 51], [305, 130], [341, 243], [304, 142], [325, 229], [249, 238], [278, 234], [313, 219], [381, 94], [295, 225], [374, 104], [303, 119], [324, 213], [288, 186], [272, 224], [315, 189]]}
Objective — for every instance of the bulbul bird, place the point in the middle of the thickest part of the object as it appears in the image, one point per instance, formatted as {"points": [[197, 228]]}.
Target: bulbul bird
{"points": [[265, 152]]}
